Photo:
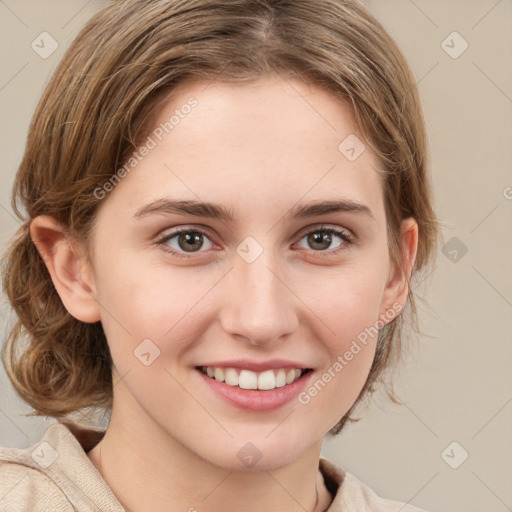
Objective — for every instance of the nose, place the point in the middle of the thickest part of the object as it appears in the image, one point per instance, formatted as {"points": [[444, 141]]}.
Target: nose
{"points": [[259, 307]]}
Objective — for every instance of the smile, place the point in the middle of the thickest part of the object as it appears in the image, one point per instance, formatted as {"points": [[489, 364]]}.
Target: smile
{"points": [[247, 379]]}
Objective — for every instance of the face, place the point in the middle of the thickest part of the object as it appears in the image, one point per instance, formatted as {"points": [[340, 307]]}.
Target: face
{"points": [[275, 284]]}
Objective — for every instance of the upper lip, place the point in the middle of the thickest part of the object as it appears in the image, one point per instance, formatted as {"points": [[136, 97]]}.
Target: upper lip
{"points": [[256, 366]]}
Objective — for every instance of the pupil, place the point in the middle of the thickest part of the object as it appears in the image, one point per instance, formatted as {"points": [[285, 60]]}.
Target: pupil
{"points": [[318, 238], [190, 241]]}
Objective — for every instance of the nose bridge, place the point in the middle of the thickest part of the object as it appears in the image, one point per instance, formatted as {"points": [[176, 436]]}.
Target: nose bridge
{"points": [[260, 307]]}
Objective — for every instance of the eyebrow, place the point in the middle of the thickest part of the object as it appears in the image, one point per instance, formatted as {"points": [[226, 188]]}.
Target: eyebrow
{"points": [[216, 211]]}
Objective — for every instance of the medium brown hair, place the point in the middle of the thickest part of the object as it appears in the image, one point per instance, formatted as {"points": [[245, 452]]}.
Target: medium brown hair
{"points": [[99, 104]]}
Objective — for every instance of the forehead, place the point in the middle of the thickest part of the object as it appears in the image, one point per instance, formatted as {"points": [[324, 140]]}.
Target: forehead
{"points": [[270, 142]]}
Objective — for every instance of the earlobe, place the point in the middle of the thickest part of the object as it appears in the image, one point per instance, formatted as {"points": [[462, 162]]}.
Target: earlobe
{"points": [[397, 287], [69, 270]]}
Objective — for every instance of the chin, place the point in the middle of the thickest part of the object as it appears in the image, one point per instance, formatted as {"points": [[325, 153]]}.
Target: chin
{"points": [[261, 452]]}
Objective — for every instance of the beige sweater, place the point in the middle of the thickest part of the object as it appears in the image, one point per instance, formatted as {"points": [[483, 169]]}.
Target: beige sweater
{"points": [[56, 475]]}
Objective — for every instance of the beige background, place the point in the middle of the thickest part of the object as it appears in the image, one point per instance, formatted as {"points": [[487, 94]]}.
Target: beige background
{"points": [[457, 385]]}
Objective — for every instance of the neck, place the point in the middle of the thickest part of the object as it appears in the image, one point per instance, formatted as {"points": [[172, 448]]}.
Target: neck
{"points": [[149, 470]]}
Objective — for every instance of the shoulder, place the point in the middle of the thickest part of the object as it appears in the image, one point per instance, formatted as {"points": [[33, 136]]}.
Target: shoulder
{"points": [[25, 487], [352, 495], [54, 474]]}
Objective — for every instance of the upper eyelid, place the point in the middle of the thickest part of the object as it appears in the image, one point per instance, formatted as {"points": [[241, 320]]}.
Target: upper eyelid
{"points": [[185, 229], [301, 233], [321, 227]]}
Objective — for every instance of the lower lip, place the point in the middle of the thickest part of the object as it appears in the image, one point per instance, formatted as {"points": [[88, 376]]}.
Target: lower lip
{"points": [[254, 400]]}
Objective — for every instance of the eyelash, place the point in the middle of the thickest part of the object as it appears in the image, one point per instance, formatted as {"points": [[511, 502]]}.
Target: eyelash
{"points": [[344, 235]]}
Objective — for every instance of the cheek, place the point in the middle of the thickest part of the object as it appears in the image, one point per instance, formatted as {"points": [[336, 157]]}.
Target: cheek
{"points": [[347, 302], [147, 301], [349, 306], [350, 353]]}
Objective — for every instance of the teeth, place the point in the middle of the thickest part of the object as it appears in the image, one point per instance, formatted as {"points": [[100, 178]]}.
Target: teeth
{"points": [[280, 379], [247, 379], [231, 377], [267, 380]]}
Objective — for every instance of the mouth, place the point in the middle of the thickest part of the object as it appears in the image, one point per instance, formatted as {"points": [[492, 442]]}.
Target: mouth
{"points": [[249, 380]]}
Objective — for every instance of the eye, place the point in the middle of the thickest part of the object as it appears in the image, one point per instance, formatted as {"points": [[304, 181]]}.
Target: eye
{"points": [[184, 241], [321, 239]]}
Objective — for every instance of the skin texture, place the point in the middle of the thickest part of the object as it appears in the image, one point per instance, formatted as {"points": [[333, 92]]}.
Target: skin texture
{"points": [[258, 150]]}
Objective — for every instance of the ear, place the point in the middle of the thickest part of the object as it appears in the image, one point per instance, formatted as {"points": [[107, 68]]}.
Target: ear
{"points": [[397, 287], [69, 269]]}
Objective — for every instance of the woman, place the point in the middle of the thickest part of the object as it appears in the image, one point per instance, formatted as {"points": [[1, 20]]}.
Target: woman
{"points": [[225, 204]]}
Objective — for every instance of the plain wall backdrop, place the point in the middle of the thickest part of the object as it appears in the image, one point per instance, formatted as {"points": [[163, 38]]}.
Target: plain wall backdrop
{"points": [[449, 447]]}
